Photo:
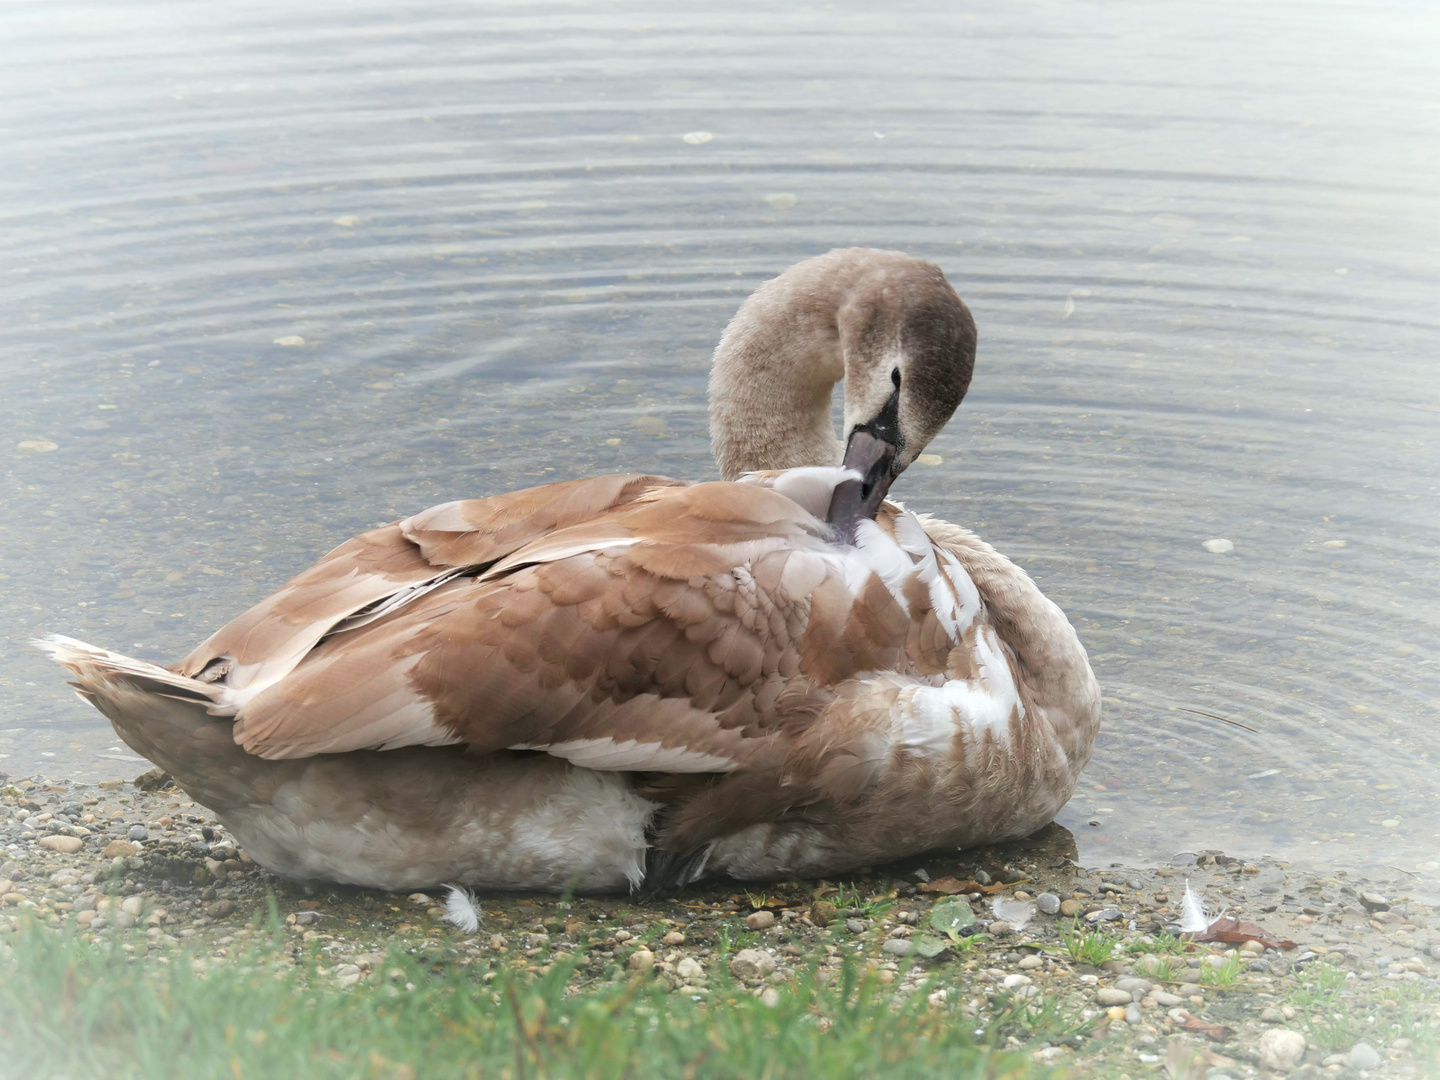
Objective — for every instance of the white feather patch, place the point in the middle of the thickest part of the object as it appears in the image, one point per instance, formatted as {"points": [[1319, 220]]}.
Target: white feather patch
{"points": [[1194, 917], [813, 486], [629, 755], [462, 909], [1016, 912]]}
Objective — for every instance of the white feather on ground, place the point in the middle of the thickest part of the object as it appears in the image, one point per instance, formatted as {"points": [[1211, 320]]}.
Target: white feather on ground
{"points": [[1016, 912], [462, 909], [1194, 917]]}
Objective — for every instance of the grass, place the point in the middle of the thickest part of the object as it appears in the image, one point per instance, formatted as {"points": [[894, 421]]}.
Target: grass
{"points": [[872, 907], [1223, 976], [75, 1010], [1092, 946]]}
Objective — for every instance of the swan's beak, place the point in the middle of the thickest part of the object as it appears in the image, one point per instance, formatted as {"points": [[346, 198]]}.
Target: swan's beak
{"points": [[871, 457]]}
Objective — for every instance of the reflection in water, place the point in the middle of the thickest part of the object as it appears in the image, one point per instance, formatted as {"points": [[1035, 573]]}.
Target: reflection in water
{"points": [[270, 276]]}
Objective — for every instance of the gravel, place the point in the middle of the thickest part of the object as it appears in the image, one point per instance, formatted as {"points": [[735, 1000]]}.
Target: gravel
{"points": [[159, 894]]}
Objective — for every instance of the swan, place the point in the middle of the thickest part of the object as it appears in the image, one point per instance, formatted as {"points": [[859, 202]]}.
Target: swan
{"points": [[632, 681]]}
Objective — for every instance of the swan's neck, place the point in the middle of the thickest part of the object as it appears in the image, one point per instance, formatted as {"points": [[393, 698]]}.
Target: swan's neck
{"points": [[775, 368]]}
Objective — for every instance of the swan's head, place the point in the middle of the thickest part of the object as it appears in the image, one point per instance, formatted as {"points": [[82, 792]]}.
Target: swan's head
{"points": [[887, 324], [908, 344]]}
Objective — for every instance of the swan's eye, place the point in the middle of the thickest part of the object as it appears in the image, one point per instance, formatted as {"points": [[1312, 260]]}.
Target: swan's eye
{"points": [[895, 377]]}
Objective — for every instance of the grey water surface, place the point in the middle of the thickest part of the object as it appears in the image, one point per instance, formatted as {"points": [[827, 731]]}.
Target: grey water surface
{"points": [[273, 273]]}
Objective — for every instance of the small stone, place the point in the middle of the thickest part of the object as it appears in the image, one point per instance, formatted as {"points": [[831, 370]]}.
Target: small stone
{"points": [[98, 923], [1132, 985], [85, 918], [1132, 1013], [760, 920], [1166, 999], [1373, 901], [132, 904], [348, 975], [752, 964], [217, 909], [690, 969], [982, 878], [1106, 914], [419, 898], [1365, 1056], [306, 918], [674, 937], [1049, 903], [124, 920], [1108, 995], [1030, 963], [1149, 964], [898, 947], [119, 848], [770, 997], [1011, 982], [1070, 908], [1281, 1049], [921, 875], [1218, 546], [138, 833], [1272, 1015], [1115, 1013], [823, 912], [66, 845], [855, 926], [641, 960]]}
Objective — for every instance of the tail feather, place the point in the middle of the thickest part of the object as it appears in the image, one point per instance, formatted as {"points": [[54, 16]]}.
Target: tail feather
{"points": [[95, 668]]}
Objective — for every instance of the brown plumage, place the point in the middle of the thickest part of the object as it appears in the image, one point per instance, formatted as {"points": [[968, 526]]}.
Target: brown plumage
{"points": [[531, 690]]}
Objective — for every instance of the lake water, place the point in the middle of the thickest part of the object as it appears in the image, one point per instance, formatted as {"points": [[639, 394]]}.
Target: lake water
{"points": [[270, 275]]}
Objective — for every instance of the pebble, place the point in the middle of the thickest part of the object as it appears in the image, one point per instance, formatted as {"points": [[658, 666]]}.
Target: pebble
{"points": [[770, 997], [1150, 964], [1030, 963], [98, 923], [1218, 546], [348, 975], [119, 849], [133, 905], [1281, 1049], [1049, 903], [138, 833], [674, 937], [66, 845], [1070, 908], [1132, 1014], [1107, 914], [855, 926], [641, 960], [1011, 982], [690, 969], [760, 920], [1373, 901], [823, 912], [1272, 1015], [1133, 985], [306, 918], [752, 964], [898, 947], [1166, 999], [1109, 995], [1365, 1056]]}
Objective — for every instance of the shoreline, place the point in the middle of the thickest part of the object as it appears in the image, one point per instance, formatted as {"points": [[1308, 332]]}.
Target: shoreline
{"points": [[153, 874]]}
